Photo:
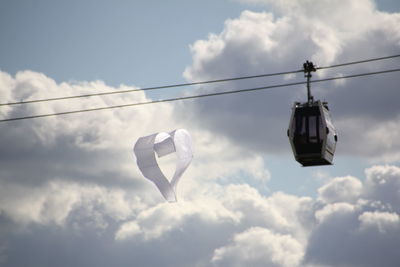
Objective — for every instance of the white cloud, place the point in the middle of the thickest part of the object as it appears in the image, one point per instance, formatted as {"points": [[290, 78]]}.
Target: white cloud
{"points": [[383, 184], [163, 218], [259, 247], [280, 211], [334, 210], [54, 201], [343, 189], [365, 232], [382, 221], [127, 229]]}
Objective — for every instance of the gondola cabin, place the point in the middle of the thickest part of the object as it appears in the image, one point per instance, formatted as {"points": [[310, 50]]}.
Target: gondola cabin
{"points": [[311, 133]]}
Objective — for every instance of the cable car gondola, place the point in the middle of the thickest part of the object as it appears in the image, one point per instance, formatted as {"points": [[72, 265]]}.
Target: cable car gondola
{"points": [[311, 132]]}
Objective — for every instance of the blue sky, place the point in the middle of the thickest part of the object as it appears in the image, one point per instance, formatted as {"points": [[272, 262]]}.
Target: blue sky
{"points": [[144, 42], [69, 184]]}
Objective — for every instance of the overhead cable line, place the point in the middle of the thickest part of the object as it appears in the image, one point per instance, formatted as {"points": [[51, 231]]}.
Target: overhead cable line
{"points": [[357, 62], [199, 96], [193, 83], [151, 88]]}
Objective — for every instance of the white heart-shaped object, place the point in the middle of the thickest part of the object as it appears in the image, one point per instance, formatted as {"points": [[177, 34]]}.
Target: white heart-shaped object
{"points": [[162, 144]]}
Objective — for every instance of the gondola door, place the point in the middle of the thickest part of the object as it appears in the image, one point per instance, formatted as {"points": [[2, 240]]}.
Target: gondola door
{"points": [[331, 135]]}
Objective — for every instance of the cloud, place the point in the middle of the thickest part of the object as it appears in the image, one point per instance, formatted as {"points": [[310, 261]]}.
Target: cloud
{"points": [[163, 218], [361, 233], [381, 221], [281, 40], [55, 201], [382, 184], [358, 229], [259, 247], [343, 189], [228, 211]]}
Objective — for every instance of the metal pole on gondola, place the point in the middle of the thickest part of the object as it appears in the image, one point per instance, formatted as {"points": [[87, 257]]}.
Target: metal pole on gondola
{"points": [[308, 68]]}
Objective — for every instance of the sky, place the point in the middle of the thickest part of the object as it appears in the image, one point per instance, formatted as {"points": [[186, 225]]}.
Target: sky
{"points": [[72, 195]]}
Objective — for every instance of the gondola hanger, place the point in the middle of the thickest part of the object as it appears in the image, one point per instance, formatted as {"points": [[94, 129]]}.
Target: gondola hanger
{"points": [[309, 67]]}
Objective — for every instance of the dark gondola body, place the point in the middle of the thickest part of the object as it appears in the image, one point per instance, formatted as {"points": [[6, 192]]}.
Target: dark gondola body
{"points": [[311, 133]]}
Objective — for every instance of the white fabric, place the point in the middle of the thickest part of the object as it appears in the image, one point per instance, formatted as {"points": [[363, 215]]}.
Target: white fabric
{"points": [[146, 147]]}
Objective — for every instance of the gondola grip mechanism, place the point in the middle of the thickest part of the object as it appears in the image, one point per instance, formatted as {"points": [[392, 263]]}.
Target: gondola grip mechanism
{"points": [[308, 68]]}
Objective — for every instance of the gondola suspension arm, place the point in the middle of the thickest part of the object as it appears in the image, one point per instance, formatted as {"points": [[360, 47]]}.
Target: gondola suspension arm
{"points": [[309, 67]]}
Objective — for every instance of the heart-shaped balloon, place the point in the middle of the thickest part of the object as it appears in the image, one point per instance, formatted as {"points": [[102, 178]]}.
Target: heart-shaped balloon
{"points": [[146, 148]]}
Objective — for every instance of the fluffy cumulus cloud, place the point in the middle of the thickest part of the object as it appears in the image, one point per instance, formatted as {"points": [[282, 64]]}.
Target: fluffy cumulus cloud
{"points": [[259, 247], [344, 189], [361, 233], [70, 194], [281, 39]]}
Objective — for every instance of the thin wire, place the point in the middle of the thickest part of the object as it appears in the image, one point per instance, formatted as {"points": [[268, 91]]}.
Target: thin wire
{"points": [[151, 88], [193, 83], [357, 62], [199, 96]]}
